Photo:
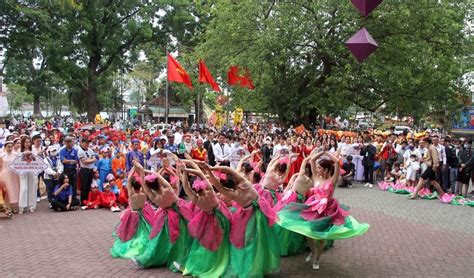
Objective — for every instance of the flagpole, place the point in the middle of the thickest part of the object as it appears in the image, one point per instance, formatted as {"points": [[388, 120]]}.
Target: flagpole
{"points": [[198, 115], [167, 89]]}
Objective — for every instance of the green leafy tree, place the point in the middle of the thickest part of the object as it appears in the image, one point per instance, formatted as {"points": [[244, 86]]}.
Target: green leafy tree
{"points": [[301, 67]]}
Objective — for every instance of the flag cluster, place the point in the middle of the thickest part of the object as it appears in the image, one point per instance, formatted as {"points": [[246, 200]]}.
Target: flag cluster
{"points": [[176, 73]]}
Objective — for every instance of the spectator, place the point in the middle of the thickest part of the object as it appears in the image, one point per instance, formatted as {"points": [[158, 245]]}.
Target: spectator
{"points": [[68, 157], [63, 199], [349, 169], [52, 173], [28, 181], [87, 160], [368, 161]]}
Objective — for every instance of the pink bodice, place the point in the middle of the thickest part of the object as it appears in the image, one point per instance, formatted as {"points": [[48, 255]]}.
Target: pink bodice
{"points": [[321, 204]]}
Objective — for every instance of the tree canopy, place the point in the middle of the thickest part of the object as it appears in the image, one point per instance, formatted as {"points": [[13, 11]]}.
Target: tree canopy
{"points": [[294, 51]]}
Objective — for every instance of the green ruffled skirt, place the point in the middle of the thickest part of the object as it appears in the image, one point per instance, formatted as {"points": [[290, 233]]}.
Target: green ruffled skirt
{"points": [[202, 262], [260, 255], [320, 229], [134, 246], [160, 251]]}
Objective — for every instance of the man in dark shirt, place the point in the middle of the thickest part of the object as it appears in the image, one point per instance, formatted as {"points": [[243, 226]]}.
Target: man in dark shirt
{"points": [[368, 161], [349, 169], [68, 157]]}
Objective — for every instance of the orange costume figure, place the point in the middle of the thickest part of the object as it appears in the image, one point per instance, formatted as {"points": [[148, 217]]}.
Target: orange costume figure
{"points": [[199, 153], [94, 199]]}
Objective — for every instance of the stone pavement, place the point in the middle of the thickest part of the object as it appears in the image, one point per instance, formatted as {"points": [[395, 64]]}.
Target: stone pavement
{"points": [[407, 238]]}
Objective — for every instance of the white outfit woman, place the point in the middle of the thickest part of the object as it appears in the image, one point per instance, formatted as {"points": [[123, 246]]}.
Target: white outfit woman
{"points": [[28, 191]]}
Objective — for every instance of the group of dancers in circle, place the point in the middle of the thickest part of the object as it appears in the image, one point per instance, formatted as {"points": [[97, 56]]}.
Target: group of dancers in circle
{"points": [[234, 222]]}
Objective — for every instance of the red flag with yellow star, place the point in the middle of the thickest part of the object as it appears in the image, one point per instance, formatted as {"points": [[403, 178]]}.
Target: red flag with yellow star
{"points": [[176, 73], [205, 76]]}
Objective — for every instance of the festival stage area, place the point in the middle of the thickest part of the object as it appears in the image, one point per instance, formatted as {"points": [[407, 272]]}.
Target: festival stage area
{"points": [[407, 238]]}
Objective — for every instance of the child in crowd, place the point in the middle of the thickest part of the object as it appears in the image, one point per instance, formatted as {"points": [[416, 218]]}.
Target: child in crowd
{"points": [[104, 165], [96, 180], [118, 164], [348, 177], [93, 201], [108, 199], [113, 184], [396, 171], [412, 166], [389, 177]]}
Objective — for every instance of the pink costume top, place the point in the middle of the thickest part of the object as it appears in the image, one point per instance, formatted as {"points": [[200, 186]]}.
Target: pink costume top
{"points": [[271, 195], [205, 225], [322, 204], [170, 208], [130, 218], [243, 214]]}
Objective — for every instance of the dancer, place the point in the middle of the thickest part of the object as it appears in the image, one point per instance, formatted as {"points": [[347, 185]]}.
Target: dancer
{"points": [[275, 176], [135, 223], [209, 254], [431, 161], [321, 217], [169, 239], [292, 243], [255, 247]]}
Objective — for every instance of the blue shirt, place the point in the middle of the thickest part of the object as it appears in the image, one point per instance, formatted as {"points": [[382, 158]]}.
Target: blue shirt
{"points": [[64, 194], [64, 153], [130, 156], [172, 148]]}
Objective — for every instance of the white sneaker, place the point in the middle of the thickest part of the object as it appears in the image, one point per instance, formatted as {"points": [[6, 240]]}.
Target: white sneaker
{"points": [[137, 263], [315, 264], [38, 199], [367, 184], [84, 207], [309, 258], [112, 209], [370, 185]]}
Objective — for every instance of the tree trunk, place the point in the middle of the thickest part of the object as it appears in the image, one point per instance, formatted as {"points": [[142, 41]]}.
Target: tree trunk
{"points": [[92, 102], [36, 107]]}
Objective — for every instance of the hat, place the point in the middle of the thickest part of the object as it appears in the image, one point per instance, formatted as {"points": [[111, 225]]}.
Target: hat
{"points": [[187, 135], [105, 149], [135, 141], [110, 177], [199, 141]]}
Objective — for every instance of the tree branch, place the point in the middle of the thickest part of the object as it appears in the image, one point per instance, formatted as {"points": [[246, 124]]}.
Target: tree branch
{"points": [[112, 57], [125, 18]]}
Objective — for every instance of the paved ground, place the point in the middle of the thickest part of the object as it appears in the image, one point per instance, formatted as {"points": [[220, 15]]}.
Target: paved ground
{"points": [[407, 238]]}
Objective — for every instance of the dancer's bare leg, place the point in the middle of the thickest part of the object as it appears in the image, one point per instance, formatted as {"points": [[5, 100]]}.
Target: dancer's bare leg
{"points": [[312, 245], [319, 248]]}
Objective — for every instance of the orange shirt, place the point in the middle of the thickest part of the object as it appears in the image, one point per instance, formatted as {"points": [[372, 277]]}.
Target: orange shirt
{"points": [[118, 163]]}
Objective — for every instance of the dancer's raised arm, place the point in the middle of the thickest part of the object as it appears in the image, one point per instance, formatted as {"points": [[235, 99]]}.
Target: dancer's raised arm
{"points": [[187, 189], [335, 175]]}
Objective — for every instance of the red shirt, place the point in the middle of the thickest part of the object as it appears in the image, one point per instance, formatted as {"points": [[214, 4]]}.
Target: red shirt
{"points": [[200, 155], [106, 197]]}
